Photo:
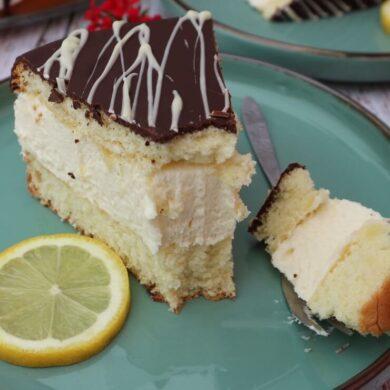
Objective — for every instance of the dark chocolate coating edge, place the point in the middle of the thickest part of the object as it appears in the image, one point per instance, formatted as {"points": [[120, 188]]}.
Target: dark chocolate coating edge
{"points": [[256, 222], [224, 121], [229, 125]]}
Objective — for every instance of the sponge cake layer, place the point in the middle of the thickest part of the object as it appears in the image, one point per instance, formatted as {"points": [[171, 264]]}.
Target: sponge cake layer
{"points": [[336, 253]]}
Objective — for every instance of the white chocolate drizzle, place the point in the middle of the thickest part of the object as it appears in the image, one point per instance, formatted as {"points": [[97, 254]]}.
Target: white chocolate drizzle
{"points": [[144, 65], [66, 56], [116, 28], [221, 85], [176, 107], [198, 20], [146, 58], [127, 113], [114, 55], [115, 35]]}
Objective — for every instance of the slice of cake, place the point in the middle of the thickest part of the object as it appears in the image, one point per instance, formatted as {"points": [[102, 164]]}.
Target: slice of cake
{"points": [[299, 10], [335, 252], [129, 135]]}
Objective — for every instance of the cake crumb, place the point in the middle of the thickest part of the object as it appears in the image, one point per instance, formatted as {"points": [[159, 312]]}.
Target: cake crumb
{"points": [[55, 96], [76, 104], [71, 175], [97, 116], [343, 348], [38, 118], [276, 300], [306, 338], [147, 143], [307, 350], [76, 141], [292, 319], [295, 275], [330, 329]]}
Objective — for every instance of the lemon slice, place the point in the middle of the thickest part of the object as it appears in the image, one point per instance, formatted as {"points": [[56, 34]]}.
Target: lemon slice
{"points": [[62, 299], [385, 16]]}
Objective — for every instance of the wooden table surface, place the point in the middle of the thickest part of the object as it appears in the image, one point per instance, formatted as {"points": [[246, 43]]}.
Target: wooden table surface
{"points": [[14, 41]]}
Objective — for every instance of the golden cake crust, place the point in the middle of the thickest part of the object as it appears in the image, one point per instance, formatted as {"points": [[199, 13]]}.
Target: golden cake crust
{"points": [[16, 78], [375, 314], [157, 297]]}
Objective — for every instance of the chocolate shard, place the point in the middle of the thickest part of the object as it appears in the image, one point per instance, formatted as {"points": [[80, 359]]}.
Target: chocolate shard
{"points": [[114, 83], [220, 114], [56, 97]]}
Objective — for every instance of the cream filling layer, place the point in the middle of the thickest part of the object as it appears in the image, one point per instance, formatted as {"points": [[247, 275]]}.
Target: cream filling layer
{"points": [[182, 203], [315, 245]]}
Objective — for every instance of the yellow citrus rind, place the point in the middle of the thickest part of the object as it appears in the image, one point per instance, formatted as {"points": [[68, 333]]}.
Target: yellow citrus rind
{"points": [[72, 353]]}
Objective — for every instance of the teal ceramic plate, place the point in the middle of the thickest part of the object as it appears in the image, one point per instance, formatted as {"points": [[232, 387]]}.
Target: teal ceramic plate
{"points": [[247, 343], [350, 48]]}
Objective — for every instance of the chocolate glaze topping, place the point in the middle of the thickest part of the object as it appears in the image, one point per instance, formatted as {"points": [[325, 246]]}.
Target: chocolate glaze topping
{"points": [[182, 74], [299, 10]]}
